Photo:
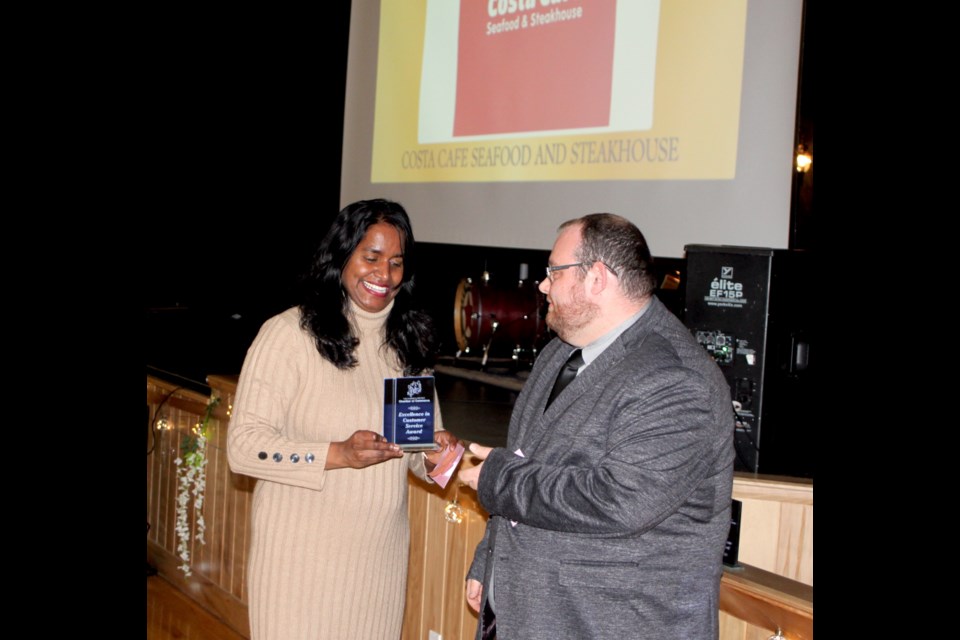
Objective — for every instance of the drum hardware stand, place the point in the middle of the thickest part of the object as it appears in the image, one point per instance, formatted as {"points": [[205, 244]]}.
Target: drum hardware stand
{"points": [[486, 348]]}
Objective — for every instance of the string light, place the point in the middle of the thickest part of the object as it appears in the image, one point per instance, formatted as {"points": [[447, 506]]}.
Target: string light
{"points": [[804, 159], [453, 512]]}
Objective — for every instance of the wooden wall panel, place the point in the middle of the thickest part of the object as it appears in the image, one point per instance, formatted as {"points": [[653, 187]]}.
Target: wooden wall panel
{"points": [[230, 550], [417, 507], [458, 557], [244, 488], [438, 555], [476, 526], [795, 543], [776, 530], [732, 628], [776, 534], [437, 566], [760, 540]]}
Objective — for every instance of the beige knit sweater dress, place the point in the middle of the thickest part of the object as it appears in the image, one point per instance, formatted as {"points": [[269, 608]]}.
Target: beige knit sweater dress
{"points": [[328, 549]]}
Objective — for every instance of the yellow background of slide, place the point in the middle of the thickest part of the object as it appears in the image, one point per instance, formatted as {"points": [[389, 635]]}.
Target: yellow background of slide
{"points": [[695, 117]]}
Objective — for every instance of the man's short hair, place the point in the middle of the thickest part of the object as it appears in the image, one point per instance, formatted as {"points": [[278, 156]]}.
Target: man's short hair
{"points": [[620, 245]]}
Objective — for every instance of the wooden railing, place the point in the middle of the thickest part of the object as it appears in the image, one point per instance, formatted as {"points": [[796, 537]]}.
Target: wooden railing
{"points": [[217, 580], [773, 588]]}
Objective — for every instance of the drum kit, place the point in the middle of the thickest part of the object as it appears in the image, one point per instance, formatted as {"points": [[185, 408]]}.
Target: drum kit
{"points": [[500, 322]]}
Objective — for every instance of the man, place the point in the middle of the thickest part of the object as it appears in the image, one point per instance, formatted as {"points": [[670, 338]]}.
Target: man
{"points": [[609, 508]]}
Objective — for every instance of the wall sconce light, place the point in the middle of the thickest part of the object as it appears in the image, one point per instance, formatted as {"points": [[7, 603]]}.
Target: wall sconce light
{"points": [[453, 512], [804, 159]]}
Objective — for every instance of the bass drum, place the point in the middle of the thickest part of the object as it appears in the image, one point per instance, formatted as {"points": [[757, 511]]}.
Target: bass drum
{"points": [[499, 321]]}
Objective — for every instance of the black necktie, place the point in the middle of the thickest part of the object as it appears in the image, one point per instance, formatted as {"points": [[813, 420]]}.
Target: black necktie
{"points": [[567, 373]]}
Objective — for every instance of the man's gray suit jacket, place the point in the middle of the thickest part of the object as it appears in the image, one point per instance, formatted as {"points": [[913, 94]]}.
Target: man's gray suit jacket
{"points": [[621, 499]]}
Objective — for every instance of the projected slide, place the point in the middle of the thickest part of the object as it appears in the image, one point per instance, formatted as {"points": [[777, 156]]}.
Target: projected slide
{"points": [[547, 90], [495, 68]]}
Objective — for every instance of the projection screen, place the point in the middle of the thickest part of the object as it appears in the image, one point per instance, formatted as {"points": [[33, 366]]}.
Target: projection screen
{"points": [[492, 121]]}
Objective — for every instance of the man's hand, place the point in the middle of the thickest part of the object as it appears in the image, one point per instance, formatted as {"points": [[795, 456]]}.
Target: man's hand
{"points": [[471, 477], [474, 594]]}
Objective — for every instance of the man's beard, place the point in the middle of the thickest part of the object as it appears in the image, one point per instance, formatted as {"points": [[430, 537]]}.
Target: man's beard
{"points": [[567, 319]]}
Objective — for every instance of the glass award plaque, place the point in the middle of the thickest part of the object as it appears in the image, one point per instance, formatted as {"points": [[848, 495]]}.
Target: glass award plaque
{"points": [[408, 412]]}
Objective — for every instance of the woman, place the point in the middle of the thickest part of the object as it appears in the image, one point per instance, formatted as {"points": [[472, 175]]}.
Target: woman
{"points": [[330, 536]]}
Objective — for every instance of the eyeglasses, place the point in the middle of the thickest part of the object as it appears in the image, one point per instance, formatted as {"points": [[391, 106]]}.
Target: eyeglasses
{"points": [[561, 267]]}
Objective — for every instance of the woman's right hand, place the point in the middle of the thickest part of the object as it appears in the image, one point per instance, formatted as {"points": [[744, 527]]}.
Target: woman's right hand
{"points": [[362, 449]]}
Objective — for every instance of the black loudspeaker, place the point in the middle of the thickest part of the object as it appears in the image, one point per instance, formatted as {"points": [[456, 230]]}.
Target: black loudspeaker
{"points": [[751, 308]]}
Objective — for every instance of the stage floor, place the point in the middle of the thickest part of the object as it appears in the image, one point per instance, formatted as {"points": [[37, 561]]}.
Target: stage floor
{"points": [[475, 411]]}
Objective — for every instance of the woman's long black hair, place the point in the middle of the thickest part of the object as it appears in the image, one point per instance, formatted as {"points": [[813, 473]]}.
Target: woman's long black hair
{"points": [[323, 300]]}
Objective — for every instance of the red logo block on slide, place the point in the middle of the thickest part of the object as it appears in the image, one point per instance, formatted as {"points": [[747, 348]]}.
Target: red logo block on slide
{"points": [[534, 73]]}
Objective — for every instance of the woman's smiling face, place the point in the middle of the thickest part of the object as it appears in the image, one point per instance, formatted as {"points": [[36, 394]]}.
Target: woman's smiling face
{"points": [[374, 272]]}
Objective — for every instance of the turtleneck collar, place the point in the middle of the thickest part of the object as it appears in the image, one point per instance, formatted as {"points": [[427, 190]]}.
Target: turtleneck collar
{"points": [[364, 317]]}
